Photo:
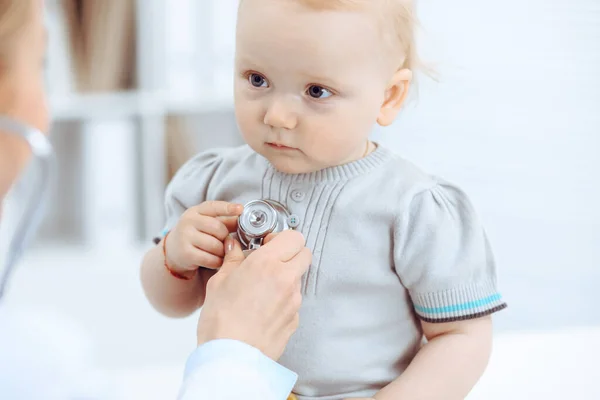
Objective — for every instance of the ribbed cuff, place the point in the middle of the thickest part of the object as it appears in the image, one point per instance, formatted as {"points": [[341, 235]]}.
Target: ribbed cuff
{"points": [[458, 304], [157, 239]]}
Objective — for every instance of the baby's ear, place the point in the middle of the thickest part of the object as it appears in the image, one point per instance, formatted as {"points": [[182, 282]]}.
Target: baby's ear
{"points": [[395, 96]]}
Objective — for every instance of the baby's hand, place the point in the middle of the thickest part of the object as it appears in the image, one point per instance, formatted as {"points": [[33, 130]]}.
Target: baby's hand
{"points": [[198, 238]]}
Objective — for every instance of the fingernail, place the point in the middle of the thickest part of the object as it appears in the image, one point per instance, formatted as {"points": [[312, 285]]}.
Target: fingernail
{"points": [[228, 245]]}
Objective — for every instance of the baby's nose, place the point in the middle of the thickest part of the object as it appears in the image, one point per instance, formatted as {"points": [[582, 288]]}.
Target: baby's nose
{"points": [[281, 114]]}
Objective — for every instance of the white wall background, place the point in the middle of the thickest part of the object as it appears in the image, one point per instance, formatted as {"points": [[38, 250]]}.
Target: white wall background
{"points": [[515, 120]]}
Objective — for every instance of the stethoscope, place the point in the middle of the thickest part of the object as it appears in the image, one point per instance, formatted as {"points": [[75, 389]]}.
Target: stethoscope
{"points": [[43, 154]]}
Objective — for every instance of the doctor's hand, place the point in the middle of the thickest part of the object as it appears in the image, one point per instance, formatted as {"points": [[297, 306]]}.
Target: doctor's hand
{"points": [[256, 299]]}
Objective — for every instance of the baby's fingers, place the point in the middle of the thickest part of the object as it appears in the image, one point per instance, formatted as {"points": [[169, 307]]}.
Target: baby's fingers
{"points": [[219, 209], [208, 243], [204, 259], [211, 226], [230, 222]]}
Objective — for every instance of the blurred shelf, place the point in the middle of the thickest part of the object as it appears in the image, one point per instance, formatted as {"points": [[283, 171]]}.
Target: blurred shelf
{"points": [[104, 105], [200, 104], [114, 105]]}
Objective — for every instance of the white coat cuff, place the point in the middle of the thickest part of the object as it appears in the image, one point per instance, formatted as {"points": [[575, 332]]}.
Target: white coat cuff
{"points": [[281, 380]]}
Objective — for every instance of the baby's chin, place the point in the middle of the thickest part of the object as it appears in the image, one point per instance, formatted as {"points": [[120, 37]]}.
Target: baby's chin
{"points": [[291, 166]]}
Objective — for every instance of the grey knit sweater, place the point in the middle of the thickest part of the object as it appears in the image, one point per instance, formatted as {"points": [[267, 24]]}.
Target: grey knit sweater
{"points": [[391, 245]]}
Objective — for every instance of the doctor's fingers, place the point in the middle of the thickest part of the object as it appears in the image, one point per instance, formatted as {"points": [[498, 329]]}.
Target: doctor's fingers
{"points": [[300, 263], [283, 247]]}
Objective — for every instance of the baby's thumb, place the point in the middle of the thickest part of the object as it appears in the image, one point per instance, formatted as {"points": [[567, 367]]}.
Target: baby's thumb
{"points": [[233, 253]]}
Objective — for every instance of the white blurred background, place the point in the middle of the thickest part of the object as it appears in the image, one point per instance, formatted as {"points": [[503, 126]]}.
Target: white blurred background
{"points": [[514, 120]]}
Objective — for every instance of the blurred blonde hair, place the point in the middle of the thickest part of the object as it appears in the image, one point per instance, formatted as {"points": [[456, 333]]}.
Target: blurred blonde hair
{"points": [[14, 15]]}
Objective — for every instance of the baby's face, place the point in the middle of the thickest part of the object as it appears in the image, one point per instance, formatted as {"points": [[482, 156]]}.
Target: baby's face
{"points": [[309, 85]]}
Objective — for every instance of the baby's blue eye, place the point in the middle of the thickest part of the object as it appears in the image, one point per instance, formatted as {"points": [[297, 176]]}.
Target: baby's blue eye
{"points": [[257, 80], [318, 92]]}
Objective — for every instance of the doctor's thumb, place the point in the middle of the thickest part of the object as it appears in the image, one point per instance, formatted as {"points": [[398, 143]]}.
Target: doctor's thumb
{"points": [[233, 253]]}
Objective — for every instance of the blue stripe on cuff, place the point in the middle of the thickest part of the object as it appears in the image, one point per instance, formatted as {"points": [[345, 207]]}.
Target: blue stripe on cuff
{"points": [[460, 307], [160, 237]]}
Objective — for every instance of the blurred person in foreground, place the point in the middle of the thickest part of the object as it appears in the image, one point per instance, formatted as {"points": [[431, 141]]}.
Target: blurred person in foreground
{"points": [[251, 307]]}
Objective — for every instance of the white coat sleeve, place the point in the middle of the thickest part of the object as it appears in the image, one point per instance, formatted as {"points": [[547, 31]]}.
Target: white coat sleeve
{"points": [[232, 370]]}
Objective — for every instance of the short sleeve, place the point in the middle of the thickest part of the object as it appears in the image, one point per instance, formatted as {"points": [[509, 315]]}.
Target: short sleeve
{"points": [[189, 187], [443, 257]]}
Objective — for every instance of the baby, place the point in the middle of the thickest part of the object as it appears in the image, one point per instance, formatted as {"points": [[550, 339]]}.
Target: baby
{"points": [[398, 255]]}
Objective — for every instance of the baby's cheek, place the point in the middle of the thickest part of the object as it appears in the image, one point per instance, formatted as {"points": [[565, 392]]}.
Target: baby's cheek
{"points": [[327, 148], [249, 120]]}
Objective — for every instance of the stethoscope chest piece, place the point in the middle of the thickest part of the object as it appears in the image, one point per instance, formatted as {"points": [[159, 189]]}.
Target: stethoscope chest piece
{"points": [[259, 219]]}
